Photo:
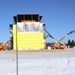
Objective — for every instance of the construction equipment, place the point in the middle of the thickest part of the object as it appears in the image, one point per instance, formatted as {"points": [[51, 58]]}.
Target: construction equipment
{"points": [[59, 44], [1, 46], [4, 46], [67, 35]]}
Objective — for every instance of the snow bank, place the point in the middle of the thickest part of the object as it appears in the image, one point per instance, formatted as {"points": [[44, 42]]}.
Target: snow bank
{"points": [[38, 65]]}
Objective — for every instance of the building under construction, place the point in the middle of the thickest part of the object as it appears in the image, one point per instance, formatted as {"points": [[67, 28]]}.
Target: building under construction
{"points": [[27, 32]]}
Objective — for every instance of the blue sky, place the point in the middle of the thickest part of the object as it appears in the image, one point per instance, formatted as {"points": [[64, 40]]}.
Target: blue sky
{"points": [[58, 15]]}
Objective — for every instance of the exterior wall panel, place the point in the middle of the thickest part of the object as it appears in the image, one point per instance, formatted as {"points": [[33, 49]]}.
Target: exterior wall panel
{"points": [[27, 40]]}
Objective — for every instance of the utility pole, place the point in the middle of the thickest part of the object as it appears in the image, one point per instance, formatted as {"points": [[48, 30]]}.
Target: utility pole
{"points": [[16, 52]]}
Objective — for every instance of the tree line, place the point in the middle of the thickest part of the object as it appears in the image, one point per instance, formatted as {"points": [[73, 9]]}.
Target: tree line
{"points": [[70, 43]]}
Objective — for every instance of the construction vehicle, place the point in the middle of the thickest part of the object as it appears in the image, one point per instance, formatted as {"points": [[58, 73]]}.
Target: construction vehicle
{"points": [[58, 44], [1, 46], [4, 46]]}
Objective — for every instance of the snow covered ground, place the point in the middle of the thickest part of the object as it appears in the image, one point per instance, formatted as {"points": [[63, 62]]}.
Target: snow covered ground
{"points": [[38, 64]]}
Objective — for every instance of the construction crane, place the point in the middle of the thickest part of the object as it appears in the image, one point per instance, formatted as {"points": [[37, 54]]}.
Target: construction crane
{"points": [[73, 31], [59, 44], [57, 41]]}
